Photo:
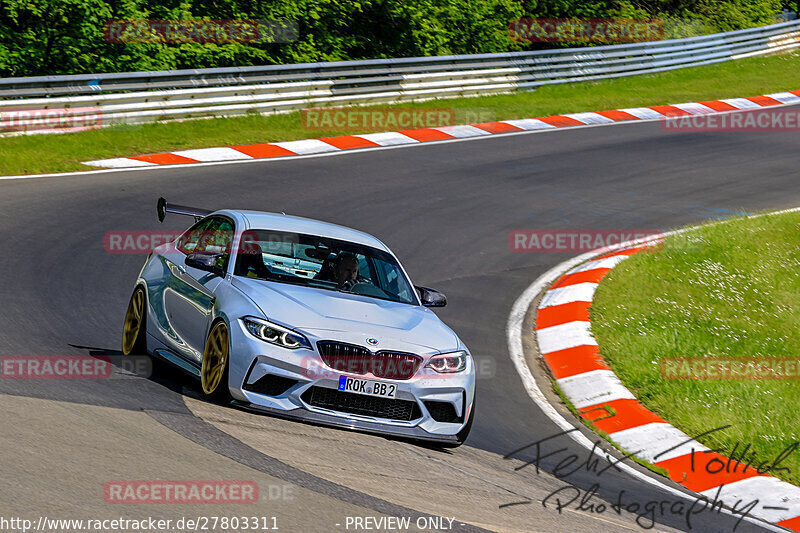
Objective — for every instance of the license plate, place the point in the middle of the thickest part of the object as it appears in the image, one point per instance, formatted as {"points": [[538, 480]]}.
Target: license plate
{"points": [[367, 387]]}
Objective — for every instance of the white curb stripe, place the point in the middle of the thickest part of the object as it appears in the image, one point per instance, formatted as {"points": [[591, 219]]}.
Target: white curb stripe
{"points": [[388, 138], [574, 386], [120, 162], [461, 132], [529, 124], [695, 108], [608, 262], [642, 112], [455, 133], [591, 388], [563, 336], [590, 118], [213, 154], [307, 146], [770, 491], [785, 98], [580, 292], [654, 440], [741, 103]]}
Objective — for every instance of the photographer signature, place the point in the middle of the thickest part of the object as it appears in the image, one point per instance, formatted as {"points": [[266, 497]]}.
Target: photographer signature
{"points": [[647, 512]]}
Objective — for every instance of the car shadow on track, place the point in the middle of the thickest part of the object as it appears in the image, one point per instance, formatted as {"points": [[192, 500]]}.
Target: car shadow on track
{"points": [[179, 382]]}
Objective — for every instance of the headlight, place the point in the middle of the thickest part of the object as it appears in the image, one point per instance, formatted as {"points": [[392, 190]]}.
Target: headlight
{"points": [[275, 334], [448, 363]]}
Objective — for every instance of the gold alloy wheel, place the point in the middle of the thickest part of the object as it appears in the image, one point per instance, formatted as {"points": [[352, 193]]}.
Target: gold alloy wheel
{"points": [[133, 321], [215, 358]]}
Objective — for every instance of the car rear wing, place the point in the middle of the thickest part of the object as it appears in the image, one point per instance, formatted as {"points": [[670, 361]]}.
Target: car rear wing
{"points": [[163, 208]]}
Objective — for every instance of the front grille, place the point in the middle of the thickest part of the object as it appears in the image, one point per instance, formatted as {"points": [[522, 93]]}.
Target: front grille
{"points": [[361, 404], [359, 360], [442, 411], [271, 385]]}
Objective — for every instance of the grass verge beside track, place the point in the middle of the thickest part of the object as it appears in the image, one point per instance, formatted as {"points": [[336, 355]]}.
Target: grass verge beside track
{"points": [[726, 290], [745, 77]]}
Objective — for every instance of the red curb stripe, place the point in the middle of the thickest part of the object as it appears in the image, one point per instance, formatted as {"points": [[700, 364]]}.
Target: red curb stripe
{"points": [[262, 151], [709, 470], [497, 127], [349, 142], [561, 121], [618, 115], [791, 523], [587, 276], [628, 414], [427, 134], [698, 471], [561, 314], [669, 110], [763, 100], [164, 159], [574, 361], [717, 105], [346, 142]]}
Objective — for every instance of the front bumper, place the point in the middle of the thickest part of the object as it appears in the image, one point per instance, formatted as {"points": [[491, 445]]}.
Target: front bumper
{"points": [[414, 433], [302, 387]]}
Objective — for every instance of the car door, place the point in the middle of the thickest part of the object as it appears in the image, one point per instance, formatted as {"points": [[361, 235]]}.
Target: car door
{"points": [[190, 294]]}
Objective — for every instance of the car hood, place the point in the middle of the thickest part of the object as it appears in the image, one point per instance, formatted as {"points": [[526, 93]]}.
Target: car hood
{"points": [[350, 317]]}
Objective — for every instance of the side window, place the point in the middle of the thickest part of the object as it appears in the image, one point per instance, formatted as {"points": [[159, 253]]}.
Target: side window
{"points": [[219, 239], [213, 235], [277, 247], [363, 267], [390, 275], [188, 242]]}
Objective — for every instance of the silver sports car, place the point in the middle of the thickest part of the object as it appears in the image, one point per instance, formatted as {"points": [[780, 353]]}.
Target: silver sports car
{"points": [[300, 318]]}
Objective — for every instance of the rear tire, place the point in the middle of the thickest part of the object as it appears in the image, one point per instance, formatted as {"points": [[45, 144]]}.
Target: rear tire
{"points": [[134, 329], [214, 368]]}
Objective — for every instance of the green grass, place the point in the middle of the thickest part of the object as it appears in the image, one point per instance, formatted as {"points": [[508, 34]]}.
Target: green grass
{"points": [[744, 77], [726, 290]]}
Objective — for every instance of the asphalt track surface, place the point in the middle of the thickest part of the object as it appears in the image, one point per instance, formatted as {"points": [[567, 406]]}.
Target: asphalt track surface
{"points": [[446, 210]]}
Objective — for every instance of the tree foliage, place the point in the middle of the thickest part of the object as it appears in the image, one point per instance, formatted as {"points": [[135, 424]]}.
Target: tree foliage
{"points": [[39, 37]]}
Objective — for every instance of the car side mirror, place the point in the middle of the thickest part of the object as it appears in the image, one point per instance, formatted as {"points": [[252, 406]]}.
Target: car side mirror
{"points": [[208, 262], [431, 297]]}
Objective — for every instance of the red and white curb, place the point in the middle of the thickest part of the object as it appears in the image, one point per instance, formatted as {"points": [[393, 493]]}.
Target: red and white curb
{"points": [[446, 133], [566, 343]]}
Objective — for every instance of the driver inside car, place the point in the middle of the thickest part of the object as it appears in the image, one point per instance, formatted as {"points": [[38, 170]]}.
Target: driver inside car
{"points": [[343, 269], [346, 269]]}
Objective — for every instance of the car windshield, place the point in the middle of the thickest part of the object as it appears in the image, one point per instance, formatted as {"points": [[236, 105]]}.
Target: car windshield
{"points": [[323, 263]]}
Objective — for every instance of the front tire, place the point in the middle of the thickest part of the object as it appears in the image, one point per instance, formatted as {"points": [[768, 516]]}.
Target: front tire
{"points": [[214, 368], [134, 341]]}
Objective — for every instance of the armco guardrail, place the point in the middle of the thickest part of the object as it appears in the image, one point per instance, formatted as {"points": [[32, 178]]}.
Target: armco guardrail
{"points": [[180, 94]]}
